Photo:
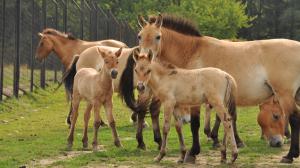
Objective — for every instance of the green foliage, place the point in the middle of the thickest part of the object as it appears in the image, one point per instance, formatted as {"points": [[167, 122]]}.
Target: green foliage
{"points": [[218, 18], [221, 19]]}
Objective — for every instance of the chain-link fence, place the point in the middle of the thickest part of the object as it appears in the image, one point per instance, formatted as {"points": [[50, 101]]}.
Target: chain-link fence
{"points": [[21, 20]]}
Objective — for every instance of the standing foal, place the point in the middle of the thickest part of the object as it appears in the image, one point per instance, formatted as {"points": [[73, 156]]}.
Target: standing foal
{"points": [[177, 88], [96, 88]]}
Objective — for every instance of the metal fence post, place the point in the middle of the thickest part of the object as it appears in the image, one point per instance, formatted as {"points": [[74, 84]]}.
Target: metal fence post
{"points": [[81, 18], [43, 69], [32, 54], [2, 54], [17, 56], [56, 27]]}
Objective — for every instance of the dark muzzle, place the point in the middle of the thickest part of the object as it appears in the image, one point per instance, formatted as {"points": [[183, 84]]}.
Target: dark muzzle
{"points": [[140, 87], [114, 74]]}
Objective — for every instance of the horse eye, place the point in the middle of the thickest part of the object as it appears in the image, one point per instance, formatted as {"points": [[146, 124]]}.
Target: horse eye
{"points": [[158, 37], [276, 116], [135, 70], [139, 37], [41, 44], [148, 72], [117, 62]]}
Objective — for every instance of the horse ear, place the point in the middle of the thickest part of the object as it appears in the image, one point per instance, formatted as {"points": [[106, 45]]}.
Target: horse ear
{"points": [[159, 21], [40, 34], [135, 55], [118, 53], [150, 55], [101, 52], [142, 22]]}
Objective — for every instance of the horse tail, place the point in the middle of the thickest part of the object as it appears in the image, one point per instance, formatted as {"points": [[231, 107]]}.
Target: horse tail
{"points": [[126, 84], [230, 95], [68, 77], [126, 87]]}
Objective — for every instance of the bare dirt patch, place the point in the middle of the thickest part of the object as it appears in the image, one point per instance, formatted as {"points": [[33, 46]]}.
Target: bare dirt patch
{"points": [[65, 156]]}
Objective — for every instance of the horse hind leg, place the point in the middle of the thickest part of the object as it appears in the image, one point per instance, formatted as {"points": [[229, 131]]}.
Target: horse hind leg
{"points": [[97, 119], [215, 133], [207, 130], [108, 109], [74, 116], [87, 115], [226, 119], [178, 126]]}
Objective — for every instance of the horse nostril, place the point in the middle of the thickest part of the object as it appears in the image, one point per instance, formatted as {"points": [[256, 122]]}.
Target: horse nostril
{"points": [[140, 87], [114, 74]]}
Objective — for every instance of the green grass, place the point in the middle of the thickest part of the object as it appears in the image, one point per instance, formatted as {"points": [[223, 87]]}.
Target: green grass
{"points": [[33, 128]]}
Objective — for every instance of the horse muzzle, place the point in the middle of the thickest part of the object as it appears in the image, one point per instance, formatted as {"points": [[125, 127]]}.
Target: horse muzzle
{"points": [[276, 141], [140, 87], [114, 74]]}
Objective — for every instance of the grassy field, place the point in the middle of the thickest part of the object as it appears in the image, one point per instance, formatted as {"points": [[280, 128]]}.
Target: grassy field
{"points": [[33, 133]]}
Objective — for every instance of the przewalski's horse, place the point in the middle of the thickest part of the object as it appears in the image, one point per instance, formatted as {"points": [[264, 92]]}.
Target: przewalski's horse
{"points": [[269, 125], [206, 85], [96, 88], [253, 64], [65, 46], [270, 118]]}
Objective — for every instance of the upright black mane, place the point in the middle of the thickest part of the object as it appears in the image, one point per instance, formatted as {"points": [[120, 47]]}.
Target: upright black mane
{"points": [[178, 24], [58, 33]]}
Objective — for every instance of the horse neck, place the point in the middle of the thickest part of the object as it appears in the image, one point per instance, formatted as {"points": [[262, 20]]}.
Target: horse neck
{"points": [[157, 74], [177, 48], [65, 49], [104, 79]]}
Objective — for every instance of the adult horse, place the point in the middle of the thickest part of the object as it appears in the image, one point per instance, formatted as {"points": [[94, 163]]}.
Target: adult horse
{"points": [[65, 46], [255, 65]]}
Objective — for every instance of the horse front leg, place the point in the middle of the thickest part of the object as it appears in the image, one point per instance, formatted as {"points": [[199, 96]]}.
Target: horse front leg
{"points": [[190, 156], [294, 120], [139, 133], [178, 126], [154, 112], [168, 111]]}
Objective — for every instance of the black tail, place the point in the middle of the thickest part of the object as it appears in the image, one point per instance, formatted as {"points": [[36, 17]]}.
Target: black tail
{"points": [[68, 77], [126, 84]]}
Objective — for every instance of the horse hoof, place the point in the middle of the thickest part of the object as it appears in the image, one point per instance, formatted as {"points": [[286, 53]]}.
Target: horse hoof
{"points": [[240, 145], [145, 124], [223, 161], [189, 158], [141, 146], [180, 160], [69, 147], [118, 144], [216, 145], [286, 160], [103, 124], [234, 157], [159, 158], [95, 148]]}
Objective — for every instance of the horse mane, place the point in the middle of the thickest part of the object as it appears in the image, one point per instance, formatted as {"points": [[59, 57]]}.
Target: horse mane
{"points": [[58, 33], [178, 24]]}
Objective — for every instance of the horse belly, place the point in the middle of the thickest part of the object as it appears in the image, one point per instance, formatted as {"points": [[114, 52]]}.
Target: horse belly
{"points": [[252, 87]]}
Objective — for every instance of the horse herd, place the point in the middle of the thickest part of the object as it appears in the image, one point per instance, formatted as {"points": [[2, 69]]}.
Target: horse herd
{"points": [[221, 74]]}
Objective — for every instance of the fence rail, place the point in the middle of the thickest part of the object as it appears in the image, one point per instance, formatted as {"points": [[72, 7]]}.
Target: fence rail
{"points": [[21, 20]]}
